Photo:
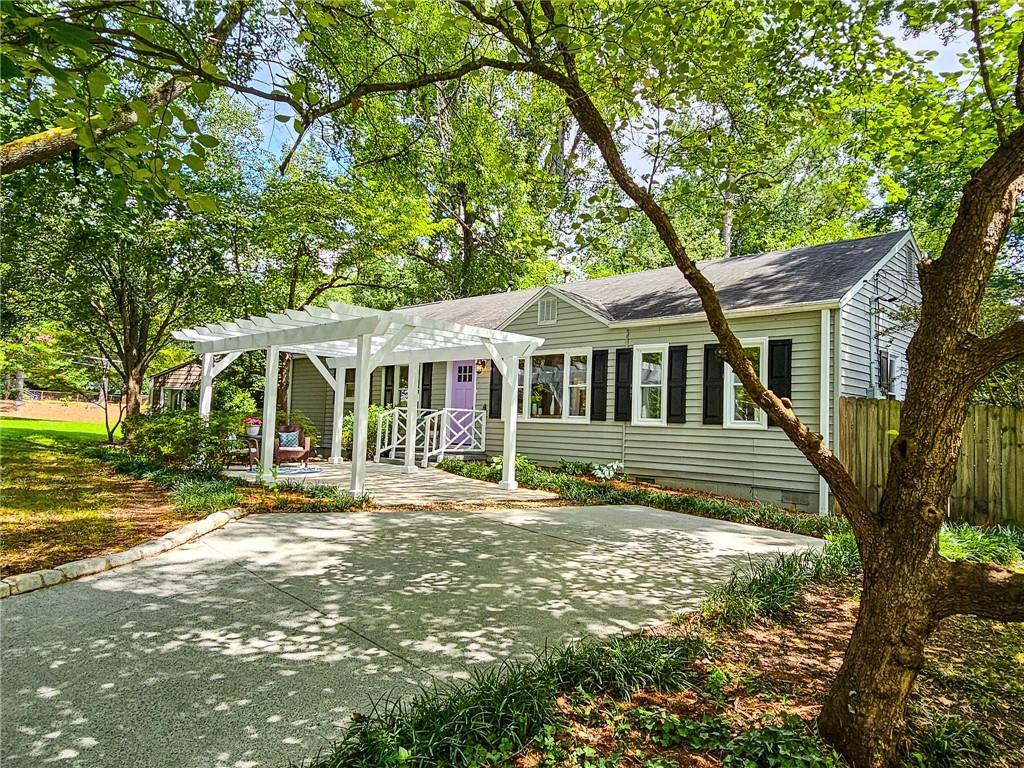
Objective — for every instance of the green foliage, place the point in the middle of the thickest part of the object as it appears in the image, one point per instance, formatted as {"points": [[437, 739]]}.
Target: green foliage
{"points": [[324, 498], [372, 416], [950, 741], [502, 709], [1003, 545], [774, 743], [785, 744], [768, 589], [573, 467], [193, 494], [230, 398], [182, 439]]}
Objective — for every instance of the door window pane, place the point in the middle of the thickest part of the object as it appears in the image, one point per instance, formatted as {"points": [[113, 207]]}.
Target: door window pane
{"points": [[547, 375]]}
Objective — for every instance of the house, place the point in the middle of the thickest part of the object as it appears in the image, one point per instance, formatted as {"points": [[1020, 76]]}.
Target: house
{"points": [[628, 369], [174, 387]]}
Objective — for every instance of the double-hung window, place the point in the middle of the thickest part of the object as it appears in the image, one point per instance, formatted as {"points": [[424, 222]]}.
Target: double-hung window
{"points": [[650, 380], [741, 412], [554, 385]]}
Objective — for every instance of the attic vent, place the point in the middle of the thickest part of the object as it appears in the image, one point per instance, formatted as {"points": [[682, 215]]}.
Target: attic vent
{"points": [[547, 311], [911, 266]]}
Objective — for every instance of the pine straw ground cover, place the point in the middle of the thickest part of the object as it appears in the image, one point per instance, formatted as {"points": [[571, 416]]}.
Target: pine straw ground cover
{"points": [[738, 683]]}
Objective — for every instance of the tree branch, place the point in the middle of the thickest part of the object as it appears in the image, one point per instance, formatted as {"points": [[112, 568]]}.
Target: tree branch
{"points": [[54, 142], [995, 351], [982, 590], [986, 78]]}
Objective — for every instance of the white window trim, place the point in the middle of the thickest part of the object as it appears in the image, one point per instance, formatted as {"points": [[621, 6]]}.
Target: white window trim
{"points": [[731, 382], [566, 355], [638, 352]]}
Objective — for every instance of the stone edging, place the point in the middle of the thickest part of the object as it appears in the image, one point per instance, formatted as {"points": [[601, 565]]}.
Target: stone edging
{"points": [[76, 569]]}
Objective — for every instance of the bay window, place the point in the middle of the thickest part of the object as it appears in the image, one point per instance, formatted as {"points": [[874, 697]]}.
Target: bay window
{"points": [[554, 385], [741, 412]]}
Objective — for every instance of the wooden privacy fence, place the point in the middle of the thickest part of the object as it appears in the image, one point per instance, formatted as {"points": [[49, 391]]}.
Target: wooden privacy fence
{"points": [[989, 484]]}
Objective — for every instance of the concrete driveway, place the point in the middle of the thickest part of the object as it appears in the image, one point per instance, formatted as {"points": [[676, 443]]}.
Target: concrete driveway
{"points": [[253, 645]]}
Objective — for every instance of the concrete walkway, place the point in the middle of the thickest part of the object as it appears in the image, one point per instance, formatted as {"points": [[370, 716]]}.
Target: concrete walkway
{"points": [[253, 645], [388, 486]]}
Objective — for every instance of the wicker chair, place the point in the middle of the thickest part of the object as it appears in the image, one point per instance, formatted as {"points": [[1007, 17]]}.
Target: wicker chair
{"points": [[299, 453]]}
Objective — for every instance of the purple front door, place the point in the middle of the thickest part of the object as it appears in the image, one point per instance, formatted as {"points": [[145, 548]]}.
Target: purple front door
{"points": [[462, 395]]}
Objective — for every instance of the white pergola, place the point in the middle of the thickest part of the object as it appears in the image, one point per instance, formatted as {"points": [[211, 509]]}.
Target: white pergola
{"points": [[344, 336]]}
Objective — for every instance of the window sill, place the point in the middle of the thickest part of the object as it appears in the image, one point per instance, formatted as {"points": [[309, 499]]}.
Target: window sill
{"points": [[748, 426]]}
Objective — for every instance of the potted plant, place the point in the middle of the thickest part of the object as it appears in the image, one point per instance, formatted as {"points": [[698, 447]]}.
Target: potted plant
{"points": [[252, 426]]}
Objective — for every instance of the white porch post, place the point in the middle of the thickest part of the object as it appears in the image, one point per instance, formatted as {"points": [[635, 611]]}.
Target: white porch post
{"points": [[412, 404], [509, 384], [205, 387], [339, 414], [360, 413], [269, 413]]}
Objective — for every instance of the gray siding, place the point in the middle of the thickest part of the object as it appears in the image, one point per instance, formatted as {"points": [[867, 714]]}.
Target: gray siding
{"points": [[868, 322], [313, 398], [749, 463]]}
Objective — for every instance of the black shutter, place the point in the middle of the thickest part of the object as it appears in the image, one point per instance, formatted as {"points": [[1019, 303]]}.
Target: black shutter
{"points": [[389, 385], [714, 384], [676, 411], [426, 384], [494, 394], [780, 369], [599, 385], [624, 384]]}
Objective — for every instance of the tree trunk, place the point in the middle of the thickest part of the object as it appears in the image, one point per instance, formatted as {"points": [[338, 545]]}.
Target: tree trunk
{"points": [[863, 716], [284, 380], [133, 392]]}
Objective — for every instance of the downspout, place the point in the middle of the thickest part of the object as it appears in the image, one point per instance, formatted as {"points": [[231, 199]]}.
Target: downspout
{"points": [[837, 383], [824, 398]]}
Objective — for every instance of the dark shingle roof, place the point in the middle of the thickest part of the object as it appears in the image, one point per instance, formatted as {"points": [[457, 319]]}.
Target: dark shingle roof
{"points": [[487, 311], [816, 273]]}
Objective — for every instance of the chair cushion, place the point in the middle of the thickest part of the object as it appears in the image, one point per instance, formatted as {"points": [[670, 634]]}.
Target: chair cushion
{"points": [[289, 439]]}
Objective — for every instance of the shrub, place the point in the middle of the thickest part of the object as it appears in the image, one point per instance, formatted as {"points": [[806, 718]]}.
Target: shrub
{"points": [[193, 495], [230, 398], [572, 467], [371, 429], [182, 438]]}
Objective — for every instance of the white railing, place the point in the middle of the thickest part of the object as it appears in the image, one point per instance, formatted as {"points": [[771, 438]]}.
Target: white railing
{"points": [[453, 430], [447, 430]]}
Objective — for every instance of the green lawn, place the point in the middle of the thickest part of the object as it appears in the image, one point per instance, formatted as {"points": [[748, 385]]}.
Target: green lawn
{"points": [[57, 506]]}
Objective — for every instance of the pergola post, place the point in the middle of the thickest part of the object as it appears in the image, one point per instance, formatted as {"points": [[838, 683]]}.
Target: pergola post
{"points": [[205, 386], [269, 413], [509, 384], [339, 414], [412, 403], [360, 413]]}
